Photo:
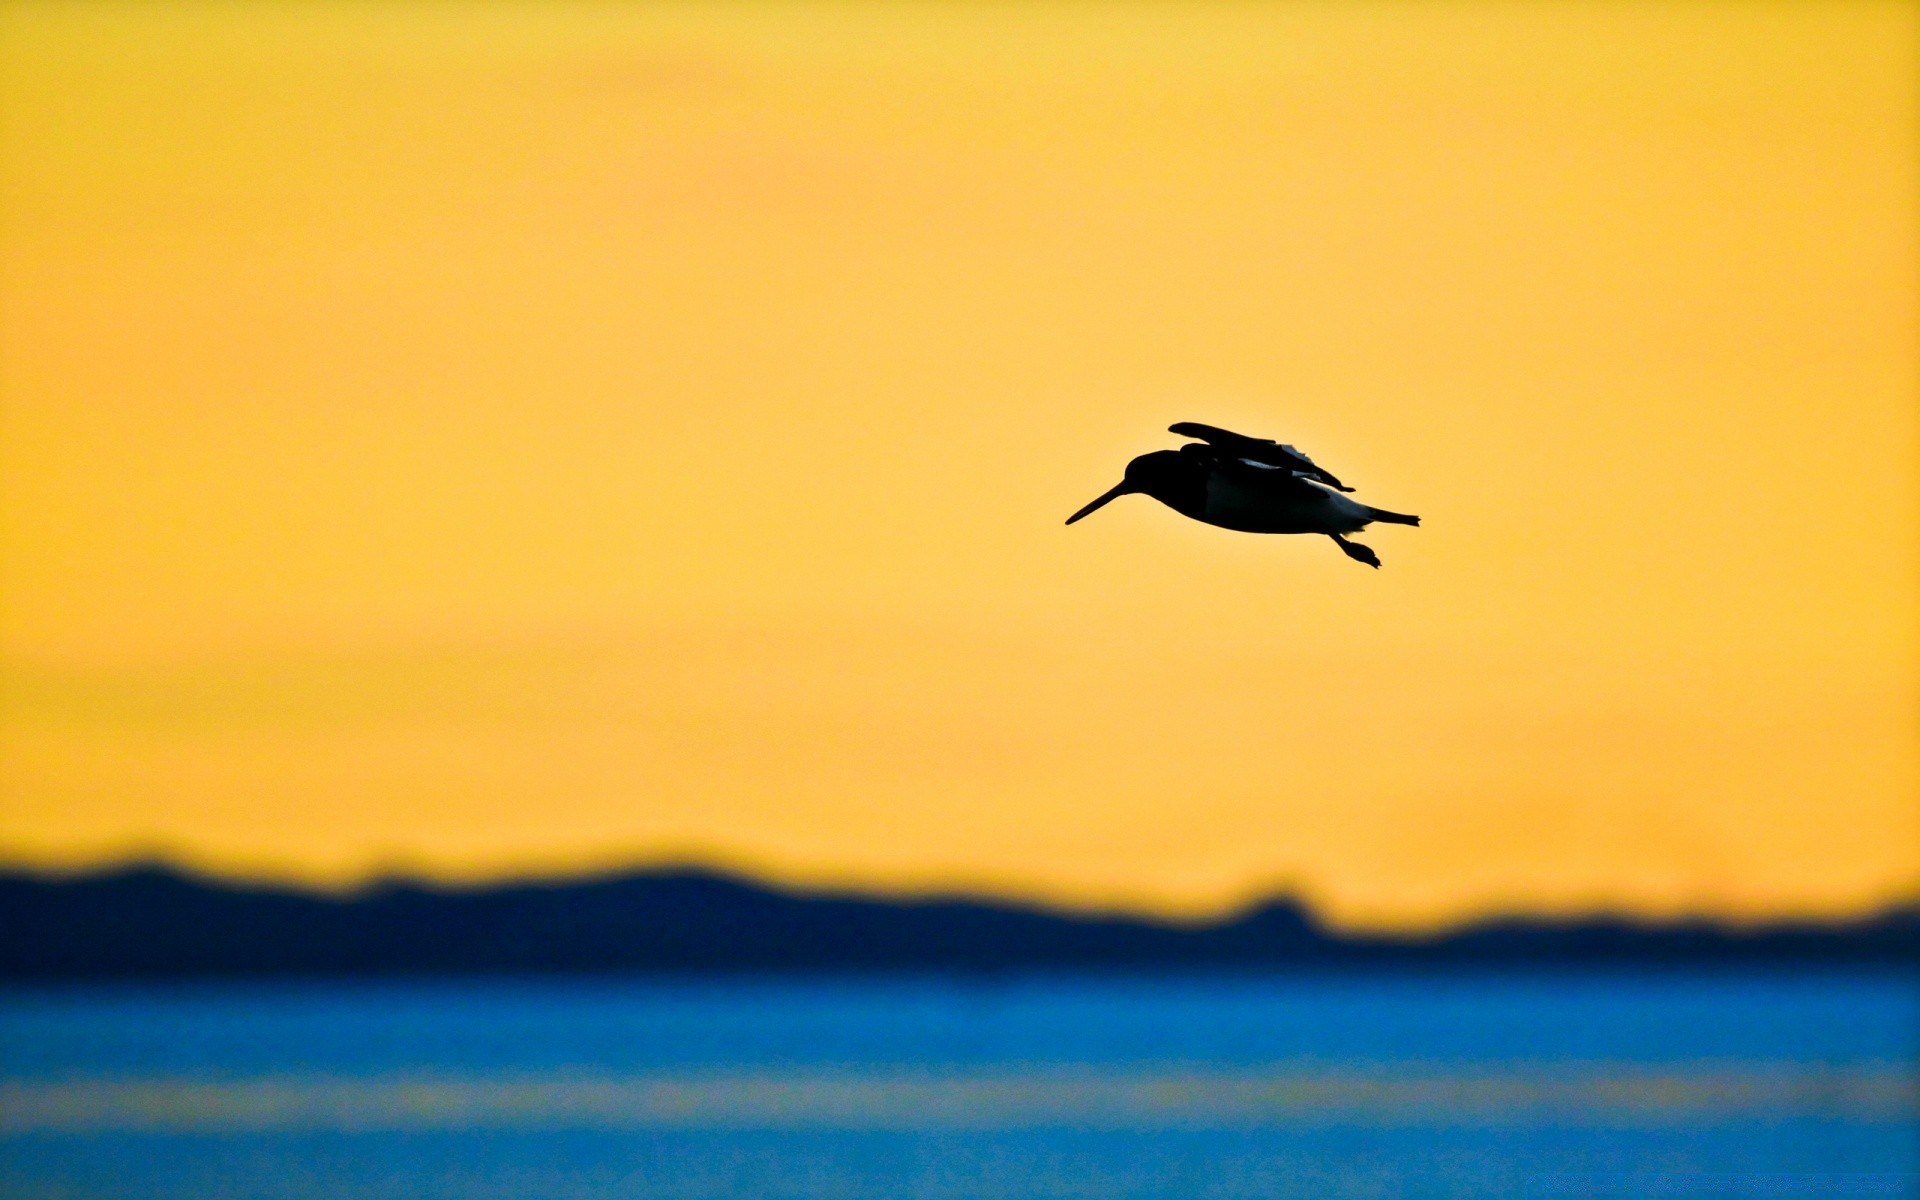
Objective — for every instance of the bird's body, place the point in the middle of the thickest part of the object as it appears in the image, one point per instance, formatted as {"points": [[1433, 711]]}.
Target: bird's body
{"points": [[1251, 485]]}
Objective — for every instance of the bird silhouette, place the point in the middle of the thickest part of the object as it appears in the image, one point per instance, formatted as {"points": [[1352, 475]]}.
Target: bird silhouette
{"points": [[1250, 484]]}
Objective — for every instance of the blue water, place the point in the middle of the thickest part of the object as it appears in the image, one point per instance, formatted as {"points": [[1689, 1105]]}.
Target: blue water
{"points": [[1365, 1086]]}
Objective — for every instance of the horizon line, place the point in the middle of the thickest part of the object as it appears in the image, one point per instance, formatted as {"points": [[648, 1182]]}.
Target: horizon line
{"points": [[372, 884]]}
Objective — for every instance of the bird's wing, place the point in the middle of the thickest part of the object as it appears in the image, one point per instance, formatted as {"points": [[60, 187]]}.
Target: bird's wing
{"points": [[1263, 451], [1269, 479], [1213, 433]]}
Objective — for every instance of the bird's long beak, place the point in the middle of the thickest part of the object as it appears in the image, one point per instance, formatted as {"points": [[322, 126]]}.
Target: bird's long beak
{"points": [[1118, 489]]}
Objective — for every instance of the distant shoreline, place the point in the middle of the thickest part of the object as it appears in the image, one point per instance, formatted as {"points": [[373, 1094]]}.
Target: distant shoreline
{"points": [[156, 923]]}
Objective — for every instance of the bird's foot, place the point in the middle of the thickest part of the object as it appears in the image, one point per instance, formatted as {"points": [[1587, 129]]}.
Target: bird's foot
{"points": [[1356, 551]]}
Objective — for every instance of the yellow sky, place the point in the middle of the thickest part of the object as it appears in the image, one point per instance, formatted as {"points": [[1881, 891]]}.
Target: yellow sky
{"points": [[476, 439]]}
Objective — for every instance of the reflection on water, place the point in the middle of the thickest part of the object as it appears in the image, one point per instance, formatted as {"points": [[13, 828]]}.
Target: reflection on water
{"points": [[1375, 1086], [1002, 1100]]}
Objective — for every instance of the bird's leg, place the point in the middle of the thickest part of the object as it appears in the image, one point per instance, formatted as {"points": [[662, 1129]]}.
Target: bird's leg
{"points": [[1356, 551]]}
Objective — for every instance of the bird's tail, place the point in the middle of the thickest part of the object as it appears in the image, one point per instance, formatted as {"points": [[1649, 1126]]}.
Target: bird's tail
{"points": [[1391, 518]]}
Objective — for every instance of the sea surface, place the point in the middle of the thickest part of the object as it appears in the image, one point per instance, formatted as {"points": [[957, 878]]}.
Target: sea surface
{"points": [[1374, 1085]]}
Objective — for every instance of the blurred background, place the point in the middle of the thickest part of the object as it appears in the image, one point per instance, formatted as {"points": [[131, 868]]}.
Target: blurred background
{"points": [[475, 442]]}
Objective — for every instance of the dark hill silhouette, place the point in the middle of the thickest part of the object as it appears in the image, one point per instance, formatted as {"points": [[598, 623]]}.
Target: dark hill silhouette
{"points": [[151, 922]]}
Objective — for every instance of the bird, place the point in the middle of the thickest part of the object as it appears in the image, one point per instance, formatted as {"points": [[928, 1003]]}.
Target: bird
{"points": [[1254, 485]]}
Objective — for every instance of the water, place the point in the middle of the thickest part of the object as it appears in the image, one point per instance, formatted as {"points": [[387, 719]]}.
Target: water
{"points": [[1364, 1086]]}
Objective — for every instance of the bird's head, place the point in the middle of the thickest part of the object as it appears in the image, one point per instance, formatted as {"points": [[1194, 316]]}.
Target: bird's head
{"points": [[1163, 474]]}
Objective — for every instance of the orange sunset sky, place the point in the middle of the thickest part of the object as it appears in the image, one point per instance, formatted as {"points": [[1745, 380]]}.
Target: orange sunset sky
{"points": [[535, 437]]}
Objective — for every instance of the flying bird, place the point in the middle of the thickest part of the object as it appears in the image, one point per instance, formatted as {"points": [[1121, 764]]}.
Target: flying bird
{"points": [[1250, 484]]}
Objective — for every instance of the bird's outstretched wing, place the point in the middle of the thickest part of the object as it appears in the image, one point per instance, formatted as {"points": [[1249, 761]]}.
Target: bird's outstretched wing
{"points": [[1258, 451]]}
